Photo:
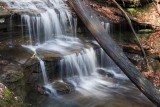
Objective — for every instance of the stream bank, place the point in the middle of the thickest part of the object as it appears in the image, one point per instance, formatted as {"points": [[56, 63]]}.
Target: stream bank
{"points": [[31, 89], [145, 20]]}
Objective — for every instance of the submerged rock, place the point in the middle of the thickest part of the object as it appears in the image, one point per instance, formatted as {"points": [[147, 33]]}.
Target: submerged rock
{"points": [[12, 73], [62, 87], [105, 73], [48, 55], [56, 86]]}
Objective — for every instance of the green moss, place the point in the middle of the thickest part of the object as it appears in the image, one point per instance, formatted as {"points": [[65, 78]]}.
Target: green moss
{"points": [[8, 100], [144, 31], [3, 103], [132, 10], [137, 10]]}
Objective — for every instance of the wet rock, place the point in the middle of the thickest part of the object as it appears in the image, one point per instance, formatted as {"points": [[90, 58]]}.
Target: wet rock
{"points": [[58, 87], [105, 73], [62, 87], [12, 73], [16, 53], [48, 55], [3, 62], [41, 89]]}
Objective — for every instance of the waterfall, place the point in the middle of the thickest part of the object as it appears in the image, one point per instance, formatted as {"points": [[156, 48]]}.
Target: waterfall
{"points": [[107, 65], [106, 27], [49, 25], [43, 71], [44, 20], [75, 26], [46, 24], [76, 67], [55, 20]]}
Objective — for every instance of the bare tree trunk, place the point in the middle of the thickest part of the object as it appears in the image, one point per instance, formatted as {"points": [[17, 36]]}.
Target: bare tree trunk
{"points": [[91, 21]]}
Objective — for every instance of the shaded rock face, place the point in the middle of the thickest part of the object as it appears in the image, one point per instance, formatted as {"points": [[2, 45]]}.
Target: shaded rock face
{"points": [[16, 53], [12, 73], [62, 87], [136, 57], [59, 88]]}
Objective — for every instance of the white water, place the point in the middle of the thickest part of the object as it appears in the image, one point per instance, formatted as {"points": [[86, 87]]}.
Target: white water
{"points": [[44, 19], [52, 28], [76, 67], [106, 27], [81, 71], [47, 30]]}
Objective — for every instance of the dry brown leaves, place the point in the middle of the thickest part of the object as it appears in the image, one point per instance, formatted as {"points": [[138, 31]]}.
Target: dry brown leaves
{"points": [[113, 14], [154, 77], [149, 16], [153, 43]]}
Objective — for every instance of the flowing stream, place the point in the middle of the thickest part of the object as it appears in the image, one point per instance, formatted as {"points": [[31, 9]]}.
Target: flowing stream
{"points": [[98, 82]]}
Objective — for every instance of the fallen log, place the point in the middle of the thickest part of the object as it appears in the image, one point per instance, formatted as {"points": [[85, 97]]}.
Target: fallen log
{"points": [[91, 21]]}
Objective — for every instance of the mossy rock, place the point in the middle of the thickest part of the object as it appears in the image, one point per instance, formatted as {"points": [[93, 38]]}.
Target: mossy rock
{"points": [[6, 97], [105, 73]]}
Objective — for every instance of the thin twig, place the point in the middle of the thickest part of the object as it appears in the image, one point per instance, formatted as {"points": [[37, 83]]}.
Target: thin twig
{"points": [[140, 45]]}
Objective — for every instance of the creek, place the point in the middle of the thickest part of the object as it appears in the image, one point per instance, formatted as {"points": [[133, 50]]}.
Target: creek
{"points": [[87, 76]]}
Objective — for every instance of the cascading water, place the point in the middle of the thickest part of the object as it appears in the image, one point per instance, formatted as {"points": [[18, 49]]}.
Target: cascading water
{"points": [[106, 27], [50, 26], [76, 67], [109, 66], [54, 21]]}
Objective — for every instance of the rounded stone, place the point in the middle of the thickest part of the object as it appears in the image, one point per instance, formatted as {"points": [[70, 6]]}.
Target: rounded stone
{"points": [[12, 73]]}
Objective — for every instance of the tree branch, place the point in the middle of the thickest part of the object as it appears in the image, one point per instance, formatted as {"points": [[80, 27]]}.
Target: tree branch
{"points": [[140, 45]]}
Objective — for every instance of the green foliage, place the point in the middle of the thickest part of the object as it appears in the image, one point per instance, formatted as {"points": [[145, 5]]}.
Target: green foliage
{"points": [[140, 10], [8, 100]]}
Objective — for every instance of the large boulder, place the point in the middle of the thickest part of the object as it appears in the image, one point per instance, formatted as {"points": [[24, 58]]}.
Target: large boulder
{"points": [[12, 73]]}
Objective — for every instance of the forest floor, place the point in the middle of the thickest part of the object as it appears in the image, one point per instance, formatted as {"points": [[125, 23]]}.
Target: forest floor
{"points": [[147, 15]]}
